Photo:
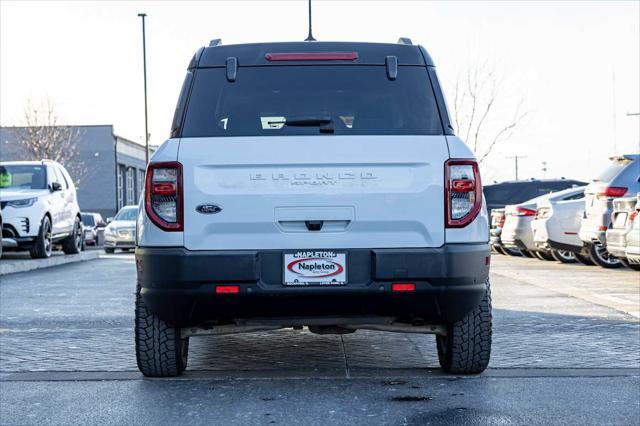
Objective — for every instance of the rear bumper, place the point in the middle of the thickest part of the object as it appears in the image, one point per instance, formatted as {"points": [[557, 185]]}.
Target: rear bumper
{"points": [[617, 241], [179, 285]]}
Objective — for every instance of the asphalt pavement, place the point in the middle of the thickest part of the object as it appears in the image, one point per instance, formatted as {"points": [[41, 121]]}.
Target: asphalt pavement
{"points": [[566, 350]]}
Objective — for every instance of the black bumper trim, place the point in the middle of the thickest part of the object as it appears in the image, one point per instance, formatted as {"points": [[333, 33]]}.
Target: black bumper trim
{"points": [[179, 284]]}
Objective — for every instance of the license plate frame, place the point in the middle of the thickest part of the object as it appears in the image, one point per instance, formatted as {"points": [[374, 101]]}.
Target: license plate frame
{"points": [[307, 268]]}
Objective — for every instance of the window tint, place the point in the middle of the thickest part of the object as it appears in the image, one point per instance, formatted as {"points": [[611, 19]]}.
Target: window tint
{"points": [[359, 100], [88, 219], [24, 177]]}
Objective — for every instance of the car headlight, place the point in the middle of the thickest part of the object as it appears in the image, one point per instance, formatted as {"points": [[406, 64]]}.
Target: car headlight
{"points": [[27, 202], [109, 231]]}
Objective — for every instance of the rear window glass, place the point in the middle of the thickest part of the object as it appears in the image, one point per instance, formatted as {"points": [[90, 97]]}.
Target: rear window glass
{"points": [[303, 100], [612, 171], [88, 220]]}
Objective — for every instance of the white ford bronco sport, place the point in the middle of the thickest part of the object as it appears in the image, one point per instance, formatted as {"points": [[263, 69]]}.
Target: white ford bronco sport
{"points": [[312, 184]]}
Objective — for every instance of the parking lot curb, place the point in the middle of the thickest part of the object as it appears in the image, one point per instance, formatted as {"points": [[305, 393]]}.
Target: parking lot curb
{"points": [[12, 266]]}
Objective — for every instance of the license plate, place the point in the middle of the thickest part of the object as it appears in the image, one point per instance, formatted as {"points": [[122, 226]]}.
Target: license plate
{"points": [[315, 267]]}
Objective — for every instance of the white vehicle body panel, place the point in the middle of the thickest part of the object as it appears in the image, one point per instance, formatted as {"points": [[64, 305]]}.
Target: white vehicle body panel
{"points": [[562, 224], [369, 191]]}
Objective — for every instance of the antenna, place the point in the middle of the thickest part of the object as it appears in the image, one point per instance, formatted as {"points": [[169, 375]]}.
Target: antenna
{"points": [[310, 36]]}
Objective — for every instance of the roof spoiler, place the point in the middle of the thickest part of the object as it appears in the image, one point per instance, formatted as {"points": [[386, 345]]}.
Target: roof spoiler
{"points": [[621, 157]]}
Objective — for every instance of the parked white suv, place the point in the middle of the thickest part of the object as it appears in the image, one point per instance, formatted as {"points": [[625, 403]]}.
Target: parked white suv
{"points": [[312, 184], [39, 208]]}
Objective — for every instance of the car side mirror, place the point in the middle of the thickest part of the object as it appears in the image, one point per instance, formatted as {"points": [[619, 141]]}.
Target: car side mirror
{"points": [[55, 186], [109, 220]]}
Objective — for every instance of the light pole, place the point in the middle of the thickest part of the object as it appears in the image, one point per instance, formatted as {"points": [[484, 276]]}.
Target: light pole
{"points": [[144, 66]]}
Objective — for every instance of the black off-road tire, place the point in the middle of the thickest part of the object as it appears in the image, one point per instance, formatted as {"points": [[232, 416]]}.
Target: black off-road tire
{"points": [[627, 264], [160, 352], [43, 246], [73, 243], [109, 250], [466, 348]]}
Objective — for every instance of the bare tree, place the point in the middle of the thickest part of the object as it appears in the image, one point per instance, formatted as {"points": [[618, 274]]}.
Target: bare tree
{"points": [[42, 137], [478, 95]]}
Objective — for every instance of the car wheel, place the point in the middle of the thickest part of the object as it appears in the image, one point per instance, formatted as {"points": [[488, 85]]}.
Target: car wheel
{"points": [[73, 243], [584, 259], [564, 256], [498, 250], [43, 245], [526, 253], [626, 263], [109, 250], [543, 255], [160, 351], [600, 256], [511, 252], [466, 348]]}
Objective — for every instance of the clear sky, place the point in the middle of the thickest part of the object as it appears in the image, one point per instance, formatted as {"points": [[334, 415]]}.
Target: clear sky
{"points": [[560, 57]]}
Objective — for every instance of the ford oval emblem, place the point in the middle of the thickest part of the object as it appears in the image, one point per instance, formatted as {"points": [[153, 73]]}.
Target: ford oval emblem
{"points": [[208, 209]]}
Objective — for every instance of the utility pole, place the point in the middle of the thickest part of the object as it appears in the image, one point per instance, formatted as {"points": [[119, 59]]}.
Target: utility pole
{"points": [[144, 66], [544, 169], [516, 157]]}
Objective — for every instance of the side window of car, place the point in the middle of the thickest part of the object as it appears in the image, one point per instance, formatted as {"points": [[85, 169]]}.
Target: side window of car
{"points": [[574, 197], [66, 177], [51, 175], [60, 178]]}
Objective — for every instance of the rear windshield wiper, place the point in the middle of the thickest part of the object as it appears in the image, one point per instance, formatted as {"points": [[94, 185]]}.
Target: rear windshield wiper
{"points": [[324, 123]]}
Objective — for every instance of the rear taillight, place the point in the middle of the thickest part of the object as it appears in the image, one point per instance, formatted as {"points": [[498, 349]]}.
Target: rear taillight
{"points": [[543, 212], [163, 195], [522, 211], [633, 215], [463, 192], [613, 191]]}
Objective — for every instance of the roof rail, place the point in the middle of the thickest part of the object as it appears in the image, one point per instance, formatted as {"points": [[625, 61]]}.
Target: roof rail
{"points": [[215, 42], [405, 40]]}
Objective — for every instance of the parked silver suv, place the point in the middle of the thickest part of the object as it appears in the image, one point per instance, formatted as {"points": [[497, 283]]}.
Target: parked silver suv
{"points": [[620, 178]]}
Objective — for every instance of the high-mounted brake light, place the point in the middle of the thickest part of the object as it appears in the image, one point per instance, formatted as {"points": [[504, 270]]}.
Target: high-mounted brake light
{"points": [[463, 192], [612, 191], [312, 56], [163, 198]]}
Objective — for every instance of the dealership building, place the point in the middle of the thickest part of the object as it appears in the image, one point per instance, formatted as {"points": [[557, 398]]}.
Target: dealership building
{"points": [[114, 166]]}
